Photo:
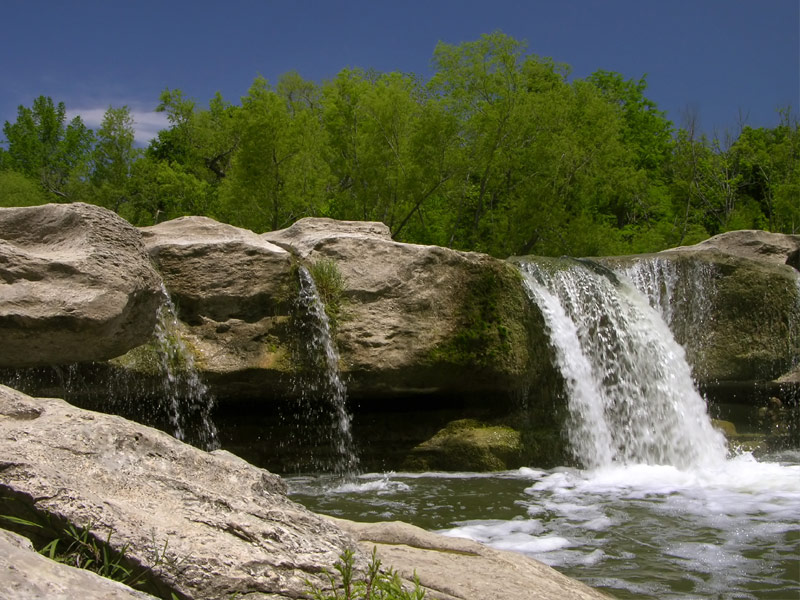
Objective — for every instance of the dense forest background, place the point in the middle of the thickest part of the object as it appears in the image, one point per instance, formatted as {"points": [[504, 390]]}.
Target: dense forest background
{"points": [[498, 152]]}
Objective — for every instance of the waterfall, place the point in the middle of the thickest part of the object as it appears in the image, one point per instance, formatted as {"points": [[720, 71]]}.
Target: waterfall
{"points": [[156, 384], [671, 284], [183, 398], [322, 395], [630, 392]]}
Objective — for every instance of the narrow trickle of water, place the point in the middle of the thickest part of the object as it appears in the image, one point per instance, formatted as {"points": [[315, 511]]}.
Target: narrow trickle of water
{"points": [[630, 391], [322, 393], [184, 398]]}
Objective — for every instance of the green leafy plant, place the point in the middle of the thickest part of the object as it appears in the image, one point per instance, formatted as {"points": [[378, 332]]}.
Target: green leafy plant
{"points": [[373, 585], [80, 547]]}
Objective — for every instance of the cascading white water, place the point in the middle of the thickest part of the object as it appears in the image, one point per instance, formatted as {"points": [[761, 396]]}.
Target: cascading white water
{"points": [[186, 400], [682, 291], [630, 391], [323, 387]]}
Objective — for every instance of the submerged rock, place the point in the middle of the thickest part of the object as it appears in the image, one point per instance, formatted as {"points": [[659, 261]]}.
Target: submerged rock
{"points": [[75, 285], [469, 445]]}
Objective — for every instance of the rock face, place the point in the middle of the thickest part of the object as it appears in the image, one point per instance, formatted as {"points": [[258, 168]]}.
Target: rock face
{"points": [[75, 285], [777, 248], [233, 290], [227, 526], [417, 318], [208, 525]]}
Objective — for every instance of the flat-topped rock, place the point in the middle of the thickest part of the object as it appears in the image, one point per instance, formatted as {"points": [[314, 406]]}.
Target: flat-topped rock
{"points": [[451, 568], [779, 248]]}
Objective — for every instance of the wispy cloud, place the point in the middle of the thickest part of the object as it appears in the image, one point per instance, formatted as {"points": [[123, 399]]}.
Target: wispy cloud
{"points": [[146, 123]]}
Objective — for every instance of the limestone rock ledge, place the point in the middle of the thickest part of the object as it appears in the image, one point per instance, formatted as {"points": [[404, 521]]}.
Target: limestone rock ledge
{"points": [[233, 290], [209, 525], [458, 569], [732, 301], [420, 319]]}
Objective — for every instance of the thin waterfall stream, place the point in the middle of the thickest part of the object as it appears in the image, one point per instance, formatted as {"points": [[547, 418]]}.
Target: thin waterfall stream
{"points": [[322, 394], [184, 398]]}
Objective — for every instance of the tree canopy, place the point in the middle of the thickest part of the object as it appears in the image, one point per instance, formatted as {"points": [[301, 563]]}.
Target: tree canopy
{"points": [[500, 151]]}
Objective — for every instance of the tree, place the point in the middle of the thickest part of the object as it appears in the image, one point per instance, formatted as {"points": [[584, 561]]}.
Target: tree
{"points": [[113, 158], [44, 147], [277, 174], [18, 190]]}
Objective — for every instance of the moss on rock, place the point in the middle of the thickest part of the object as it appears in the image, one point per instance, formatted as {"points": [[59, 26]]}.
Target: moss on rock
{"points": [[468, 445]]}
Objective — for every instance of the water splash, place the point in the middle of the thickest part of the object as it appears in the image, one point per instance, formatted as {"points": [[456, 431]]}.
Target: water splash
{"points": [[629, 388], [322, 394]]}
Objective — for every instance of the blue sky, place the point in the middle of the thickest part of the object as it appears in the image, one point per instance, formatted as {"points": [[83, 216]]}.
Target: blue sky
{"points": [[718, 58]]}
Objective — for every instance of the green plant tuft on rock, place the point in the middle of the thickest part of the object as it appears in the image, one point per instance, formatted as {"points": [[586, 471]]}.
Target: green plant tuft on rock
{"points": [[373, 585], [330, 283]]}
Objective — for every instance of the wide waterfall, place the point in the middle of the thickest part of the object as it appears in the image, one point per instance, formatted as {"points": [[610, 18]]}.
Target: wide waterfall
{"points": [[630, 392], [322, 394]]}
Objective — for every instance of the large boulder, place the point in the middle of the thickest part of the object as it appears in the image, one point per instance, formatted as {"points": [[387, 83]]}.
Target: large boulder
{"points": [[208, 525], [75, 285], [200, 525], [233, 290], [420, 319]]}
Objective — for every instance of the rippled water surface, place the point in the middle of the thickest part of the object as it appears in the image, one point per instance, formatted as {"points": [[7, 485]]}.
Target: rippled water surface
{"points": [[637, 531]]}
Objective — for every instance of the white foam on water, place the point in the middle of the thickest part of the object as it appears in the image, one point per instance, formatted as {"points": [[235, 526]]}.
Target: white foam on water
{"points": [[375, 486]]}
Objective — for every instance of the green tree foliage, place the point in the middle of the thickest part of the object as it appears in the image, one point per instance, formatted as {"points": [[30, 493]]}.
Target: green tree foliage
{"points": [[278, 174], [18, 190], [500, 152], [44, 147]]}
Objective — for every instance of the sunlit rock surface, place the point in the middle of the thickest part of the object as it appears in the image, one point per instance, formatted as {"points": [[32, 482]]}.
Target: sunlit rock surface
{"points": [[75, 285], [209, 525]]}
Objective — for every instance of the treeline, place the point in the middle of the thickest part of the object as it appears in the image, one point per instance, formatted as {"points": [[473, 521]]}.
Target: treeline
{"points": [[498, 152]]}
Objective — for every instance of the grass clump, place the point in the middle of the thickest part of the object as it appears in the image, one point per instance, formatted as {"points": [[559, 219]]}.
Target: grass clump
{"points": [[373, 585], [329, 282]]}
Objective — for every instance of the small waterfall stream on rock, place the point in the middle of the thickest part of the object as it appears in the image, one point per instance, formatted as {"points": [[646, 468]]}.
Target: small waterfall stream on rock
{"points": [[183, 397], [657, 510], [322, 395], [159, 385]]}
